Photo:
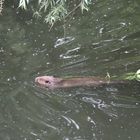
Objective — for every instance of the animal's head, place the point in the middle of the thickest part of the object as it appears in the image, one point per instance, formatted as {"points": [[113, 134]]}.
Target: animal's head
{"points": [[47, 81]]}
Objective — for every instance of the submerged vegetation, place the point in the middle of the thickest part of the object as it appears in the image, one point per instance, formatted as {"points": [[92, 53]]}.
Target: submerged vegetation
{"points": [[54, 10]]}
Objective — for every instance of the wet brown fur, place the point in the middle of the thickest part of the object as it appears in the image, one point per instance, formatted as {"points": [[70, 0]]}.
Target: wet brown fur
{"points": [[55, 82]]}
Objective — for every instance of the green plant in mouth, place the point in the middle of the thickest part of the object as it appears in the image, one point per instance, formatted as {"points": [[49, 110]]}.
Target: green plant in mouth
{"points": [[132, 75], [137, 75]]}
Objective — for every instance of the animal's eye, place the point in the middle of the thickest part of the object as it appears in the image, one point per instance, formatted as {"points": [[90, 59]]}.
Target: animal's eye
{"points": [[47, 81]]}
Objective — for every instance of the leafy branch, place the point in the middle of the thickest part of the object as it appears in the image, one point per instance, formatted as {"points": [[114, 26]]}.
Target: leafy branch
{"points": [[54, 10], [23, 4]]}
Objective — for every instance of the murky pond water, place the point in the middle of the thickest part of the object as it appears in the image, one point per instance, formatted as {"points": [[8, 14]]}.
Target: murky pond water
{"points": [[105, 40]]}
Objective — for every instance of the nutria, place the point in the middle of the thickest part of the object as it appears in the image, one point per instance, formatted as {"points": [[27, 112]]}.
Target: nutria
{"points": [[55, 82]]}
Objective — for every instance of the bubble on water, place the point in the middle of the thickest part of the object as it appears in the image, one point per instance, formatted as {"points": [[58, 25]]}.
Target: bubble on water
{"points": [[8, 79]]}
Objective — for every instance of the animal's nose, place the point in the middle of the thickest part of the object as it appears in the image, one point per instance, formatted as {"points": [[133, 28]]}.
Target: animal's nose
{"points": [[36, 79]]}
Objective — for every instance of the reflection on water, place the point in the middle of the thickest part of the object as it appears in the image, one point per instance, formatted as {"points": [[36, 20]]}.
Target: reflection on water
{"points": [[63, 41], [105, 40]]}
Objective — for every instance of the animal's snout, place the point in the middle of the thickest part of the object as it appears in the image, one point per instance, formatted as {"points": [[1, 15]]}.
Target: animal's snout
{"points": [[36, 79], [47, 81], [43, 80], [40, 80]]}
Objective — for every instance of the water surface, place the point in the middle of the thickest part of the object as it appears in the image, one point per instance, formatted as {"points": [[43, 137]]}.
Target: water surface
{"points": [[107, 39]]}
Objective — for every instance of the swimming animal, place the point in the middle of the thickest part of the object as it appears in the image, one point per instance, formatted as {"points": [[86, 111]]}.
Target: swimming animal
{"points": [[56, 82]]}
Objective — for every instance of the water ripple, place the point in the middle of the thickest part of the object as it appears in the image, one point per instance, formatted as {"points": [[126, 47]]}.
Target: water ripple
{"points": [[62, 41], [71, 121], [101, 105]]}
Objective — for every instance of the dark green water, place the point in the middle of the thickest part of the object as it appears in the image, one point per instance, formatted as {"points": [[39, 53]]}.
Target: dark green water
{"points": [[107, 39]]}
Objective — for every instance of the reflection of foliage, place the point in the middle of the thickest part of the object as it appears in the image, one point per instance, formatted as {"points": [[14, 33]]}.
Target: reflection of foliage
{"points": [[1, 5], [54, 10]]}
